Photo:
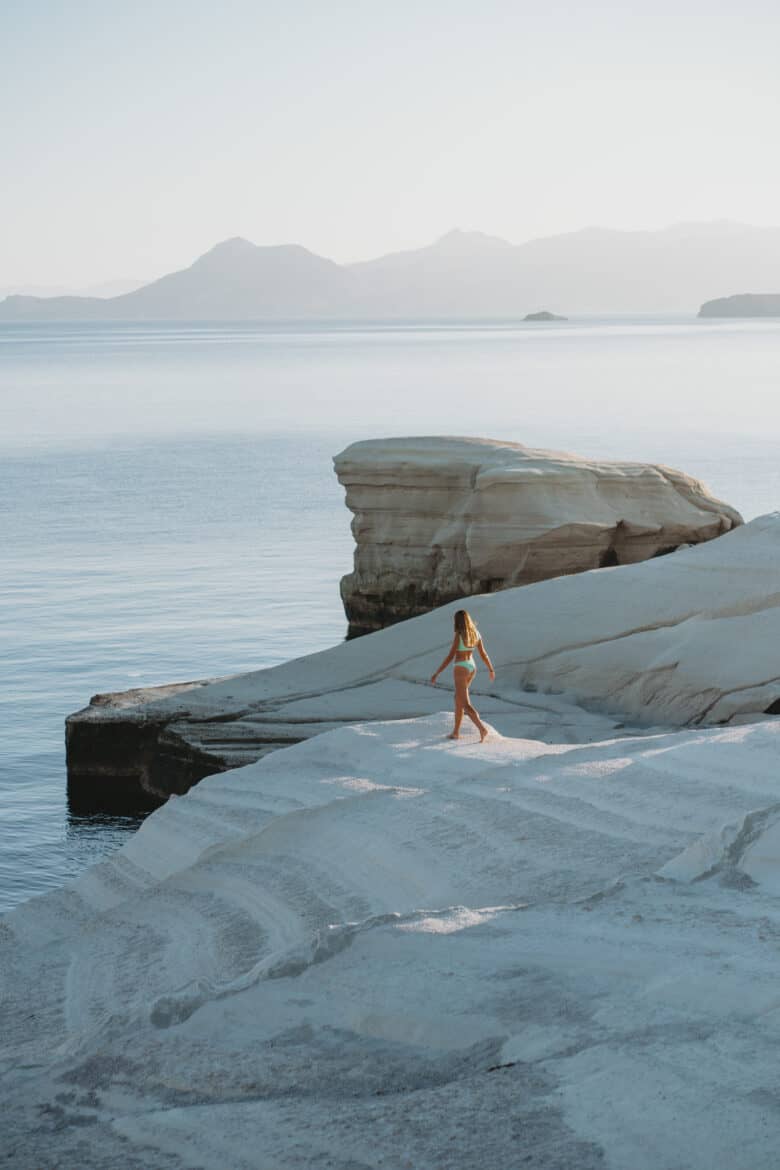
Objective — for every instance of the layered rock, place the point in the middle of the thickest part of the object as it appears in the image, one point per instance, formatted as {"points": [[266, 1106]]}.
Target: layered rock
{"points": [[477, 955], [681, 640], [258, 959], [442, 518]]}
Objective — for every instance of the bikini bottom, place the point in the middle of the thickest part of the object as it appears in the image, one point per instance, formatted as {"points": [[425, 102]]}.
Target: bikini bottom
{"points": [[469, 664]]}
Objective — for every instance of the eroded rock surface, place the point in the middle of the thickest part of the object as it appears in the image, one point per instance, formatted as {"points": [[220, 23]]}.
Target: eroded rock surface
{"points": [[437, 519], [382, 948], [681, 640]]}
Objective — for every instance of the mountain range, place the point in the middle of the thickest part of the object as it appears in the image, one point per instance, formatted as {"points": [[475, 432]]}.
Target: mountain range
{"points": [[462, 274]]}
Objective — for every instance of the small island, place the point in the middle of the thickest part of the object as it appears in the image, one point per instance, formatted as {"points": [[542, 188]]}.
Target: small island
{"points": [[743, 305], [544, 315]]}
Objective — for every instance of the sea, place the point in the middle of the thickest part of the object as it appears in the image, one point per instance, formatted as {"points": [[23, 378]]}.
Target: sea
{"points": [[169, 511]]}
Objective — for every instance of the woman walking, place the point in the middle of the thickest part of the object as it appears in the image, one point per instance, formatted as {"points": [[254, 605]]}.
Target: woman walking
{"points": [[466, 640]]}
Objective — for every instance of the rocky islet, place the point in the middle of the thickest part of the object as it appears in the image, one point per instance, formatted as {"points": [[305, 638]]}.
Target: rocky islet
{"points": [[436, 519]]}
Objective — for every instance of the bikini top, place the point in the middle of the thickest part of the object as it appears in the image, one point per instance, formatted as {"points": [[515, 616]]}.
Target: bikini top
{"points": [[462, 646]]}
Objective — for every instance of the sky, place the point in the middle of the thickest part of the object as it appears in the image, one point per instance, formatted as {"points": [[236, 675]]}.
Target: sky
{"points": [[134, 136]]}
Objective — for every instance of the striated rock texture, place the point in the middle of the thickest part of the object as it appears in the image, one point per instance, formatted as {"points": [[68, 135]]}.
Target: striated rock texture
{"points": [[437, 519], [383, 949], [689, 639]]}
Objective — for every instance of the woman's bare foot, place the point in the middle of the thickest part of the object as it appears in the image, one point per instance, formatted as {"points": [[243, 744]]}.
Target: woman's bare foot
{"points": [[453, 735], [483, 733]]}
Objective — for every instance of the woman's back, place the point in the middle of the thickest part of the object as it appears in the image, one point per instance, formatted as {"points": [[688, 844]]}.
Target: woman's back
{"points": [[462, 646]]}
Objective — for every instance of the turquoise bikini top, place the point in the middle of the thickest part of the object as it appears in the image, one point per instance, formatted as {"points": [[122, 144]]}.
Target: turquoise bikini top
{"points": [[462, 646]]}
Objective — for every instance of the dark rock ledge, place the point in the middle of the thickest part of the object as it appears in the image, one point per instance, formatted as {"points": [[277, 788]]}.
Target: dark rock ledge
{"points": [[134, 747], [121, 755]]}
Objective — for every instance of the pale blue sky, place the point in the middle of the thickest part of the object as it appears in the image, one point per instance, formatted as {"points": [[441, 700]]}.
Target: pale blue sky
{"points": [[133, 137]]}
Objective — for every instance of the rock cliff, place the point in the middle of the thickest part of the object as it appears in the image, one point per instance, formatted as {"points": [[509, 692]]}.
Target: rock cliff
{"points": [[442, 518]]}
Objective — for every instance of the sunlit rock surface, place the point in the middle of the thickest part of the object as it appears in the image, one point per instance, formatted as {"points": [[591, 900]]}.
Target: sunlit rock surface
{"points": [[383, 949], [437, 519], [690, 638]]}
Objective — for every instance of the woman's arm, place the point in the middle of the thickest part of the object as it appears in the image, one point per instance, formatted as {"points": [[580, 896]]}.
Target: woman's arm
{"points": [[484, 656], [446, 661]]}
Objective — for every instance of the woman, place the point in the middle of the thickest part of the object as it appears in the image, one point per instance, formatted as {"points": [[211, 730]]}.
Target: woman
{"points": [[466, 638]]}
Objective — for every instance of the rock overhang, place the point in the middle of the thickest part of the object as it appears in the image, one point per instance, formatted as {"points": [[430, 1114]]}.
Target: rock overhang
{"points": [[438, 518]]}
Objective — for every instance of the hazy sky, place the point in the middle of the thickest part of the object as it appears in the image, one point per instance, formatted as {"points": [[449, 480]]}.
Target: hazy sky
{"points": [[134, 136]]}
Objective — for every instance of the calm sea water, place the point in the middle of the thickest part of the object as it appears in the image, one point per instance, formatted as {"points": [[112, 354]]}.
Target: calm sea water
{"points": [[168, 508]]}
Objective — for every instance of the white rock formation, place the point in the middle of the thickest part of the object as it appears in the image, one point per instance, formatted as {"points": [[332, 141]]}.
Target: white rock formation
{"points": [[437, 519], [691, 638], [382, 949]]}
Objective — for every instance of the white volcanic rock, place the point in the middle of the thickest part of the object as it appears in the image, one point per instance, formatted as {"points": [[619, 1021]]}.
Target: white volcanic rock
{"points": [[685, 639], [383, 949], [437, 519]]}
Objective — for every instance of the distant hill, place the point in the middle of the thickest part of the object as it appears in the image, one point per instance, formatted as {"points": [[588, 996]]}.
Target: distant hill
{"points": [[463, 274], [108, 288], [234, 281], [743, 305]]}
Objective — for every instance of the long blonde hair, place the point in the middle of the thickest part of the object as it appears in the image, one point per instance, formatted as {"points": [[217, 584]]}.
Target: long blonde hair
{"points": [[464, 626]]}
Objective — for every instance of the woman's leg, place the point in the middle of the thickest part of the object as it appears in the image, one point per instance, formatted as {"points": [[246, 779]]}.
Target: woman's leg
{"points": [[463, 678], [455, 733]]}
